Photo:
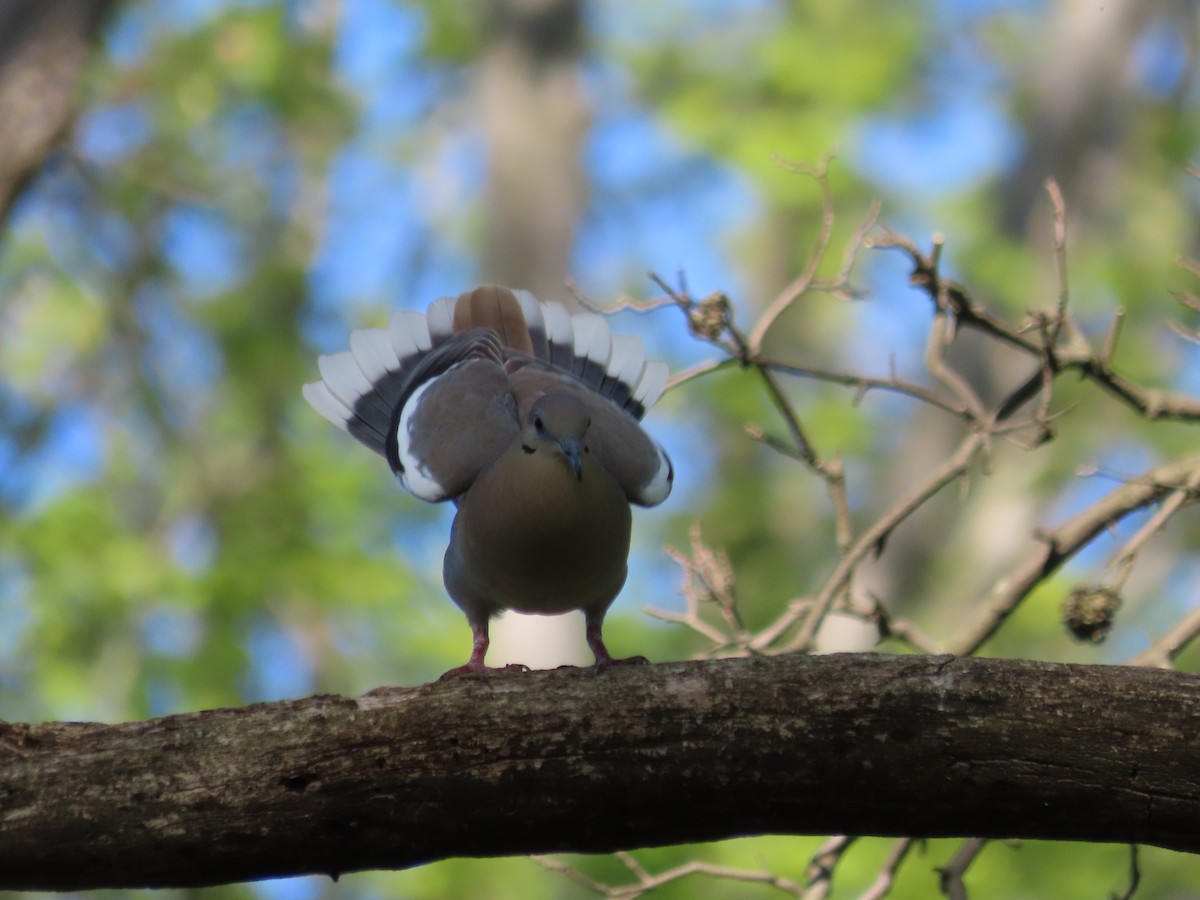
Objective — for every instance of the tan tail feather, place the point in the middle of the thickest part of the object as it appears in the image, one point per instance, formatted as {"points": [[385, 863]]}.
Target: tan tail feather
{"points": [[496, 308]]}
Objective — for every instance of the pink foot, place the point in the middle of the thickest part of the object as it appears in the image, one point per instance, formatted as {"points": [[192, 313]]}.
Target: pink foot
{"points": [[604, 659], [475, 665], [479, 670], [608, 662]]}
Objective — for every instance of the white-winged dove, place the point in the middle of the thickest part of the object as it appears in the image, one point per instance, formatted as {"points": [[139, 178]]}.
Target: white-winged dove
{"points": [[528, 419]]}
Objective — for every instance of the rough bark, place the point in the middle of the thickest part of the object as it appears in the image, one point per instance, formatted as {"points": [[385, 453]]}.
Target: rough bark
{"points": [[570, 761]]}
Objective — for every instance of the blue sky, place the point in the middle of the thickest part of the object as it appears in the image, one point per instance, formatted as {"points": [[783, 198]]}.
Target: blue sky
{"points": [[380, 215]]}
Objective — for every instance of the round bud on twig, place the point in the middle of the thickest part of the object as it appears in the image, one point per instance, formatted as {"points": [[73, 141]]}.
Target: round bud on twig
{"points": [[1089, 612]]}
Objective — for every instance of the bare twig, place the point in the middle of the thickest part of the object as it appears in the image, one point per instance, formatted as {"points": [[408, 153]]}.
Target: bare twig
{"points": [[1123, 562], [841, 281], [952, 873], [784, 406], [868, 542], [807, 280], [1135, 876], [1168, 647], [1111, 337], [693, 621], [555, 865], [647, 882], [1060, 260], [882, 886], [626, 301], [864, 383], [940, 337], [1193, 337], [888, 626], [697, 371], [707, 578], [1186, 298], [782, 447], [926, 277], [823, 864], [1153, 404], [801, 283], [1057, 546]]}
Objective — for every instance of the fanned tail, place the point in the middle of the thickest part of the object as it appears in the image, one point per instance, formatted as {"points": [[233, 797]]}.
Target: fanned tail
{"points": [[362, 389]]}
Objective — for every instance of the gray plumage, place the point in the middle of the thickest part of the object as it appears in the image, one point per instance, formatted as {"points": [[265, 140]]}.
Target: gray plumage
{"points": [[526, 417]]}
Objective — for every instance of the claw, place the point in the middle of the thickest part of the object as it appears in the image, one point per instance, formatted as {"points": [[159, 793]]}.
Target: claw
{"points": [[604, 659], [475, 666], [608, 662], [479, 670]]}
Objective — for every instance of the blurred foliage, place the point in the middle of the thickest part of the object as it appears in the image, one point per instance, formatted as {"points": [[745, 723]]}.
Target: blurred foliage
{"points": [[178, 531]]}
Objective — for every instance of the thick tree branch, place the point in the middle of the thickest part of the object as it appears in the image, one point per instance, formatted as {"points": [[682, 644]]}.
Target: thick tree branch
{"points": [[568, 761]]}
